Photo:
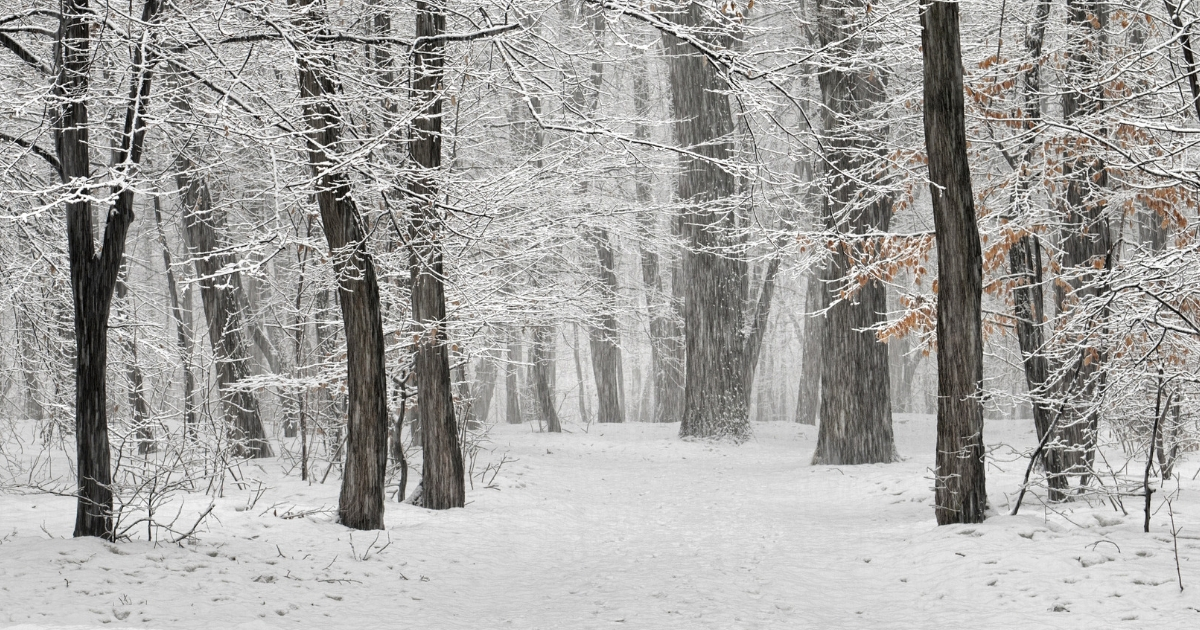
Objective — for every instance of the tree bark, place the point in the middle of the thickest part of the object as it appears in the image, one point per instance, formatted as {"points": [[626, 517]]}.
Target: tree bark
{"points": [[715, 397], [855, 408], [360, 503], [442, 483], [960, 492]]}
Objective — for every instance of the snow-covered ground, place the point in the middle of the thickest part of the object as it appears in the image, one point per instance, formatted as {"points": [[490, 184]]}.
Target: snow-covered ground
{"points": [[626, 526]]}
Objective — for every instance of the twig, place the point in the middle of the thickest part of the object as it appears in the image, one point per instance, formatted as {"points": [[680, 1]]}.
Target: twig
{"points": [[195, 525], [1175, 544]]}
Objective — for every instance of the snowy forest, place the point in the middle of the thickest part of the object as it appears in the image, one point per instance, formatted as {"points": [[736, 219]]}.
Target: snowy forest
{"points": [[568, 313]]}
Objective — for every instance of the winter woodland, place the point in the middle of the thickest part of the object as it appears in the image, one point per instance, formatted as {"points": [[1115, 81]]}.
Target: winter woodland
{"points": [[570, 313]]}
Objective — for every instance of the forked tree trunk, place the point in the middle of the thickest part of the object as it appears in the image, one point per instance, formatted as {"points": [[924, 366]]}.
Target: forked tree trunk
{"points": [[855, 409], [94, 273], [715, 397], [442, 476], [759, 317], [960, 492], [360, 503]]}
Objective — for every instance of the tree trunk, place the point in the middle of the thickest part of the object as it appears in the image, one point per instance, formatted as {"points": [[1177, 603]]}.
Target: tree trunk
{"points": [[604, 339], [442, 475], [856, 412], [584, 416], [758, 321], [808, 401], [715, 398], [360, 503], [183, 333], [1025, 266], [139, 409], [960, 492], [542, 358], [665, 366], [512, 387], [218, 291], [485, 380], [94, 273], [27, 336], [1085, 236]]}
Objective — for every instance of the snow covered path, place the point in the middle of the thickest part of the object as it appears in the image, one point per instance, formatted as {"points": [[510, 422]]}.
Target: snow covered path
{"points": [[625, 526]]}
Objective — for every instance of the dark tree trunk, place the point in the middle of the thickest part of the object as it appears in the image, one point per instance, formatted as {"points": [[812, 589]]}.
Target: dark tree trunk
{"points": [[960, 492], [183, 333], [542, 358], [808, 402], [715, 397], [1085, 236], [604, 339], [218, 291], [856, 411], [442, 477], [94, 273], [360, 503]]}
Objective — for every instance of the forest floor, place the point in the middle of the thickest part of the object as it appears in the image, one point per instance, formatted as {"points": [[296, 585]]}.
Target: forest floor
{"points": [[627, 526]]}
